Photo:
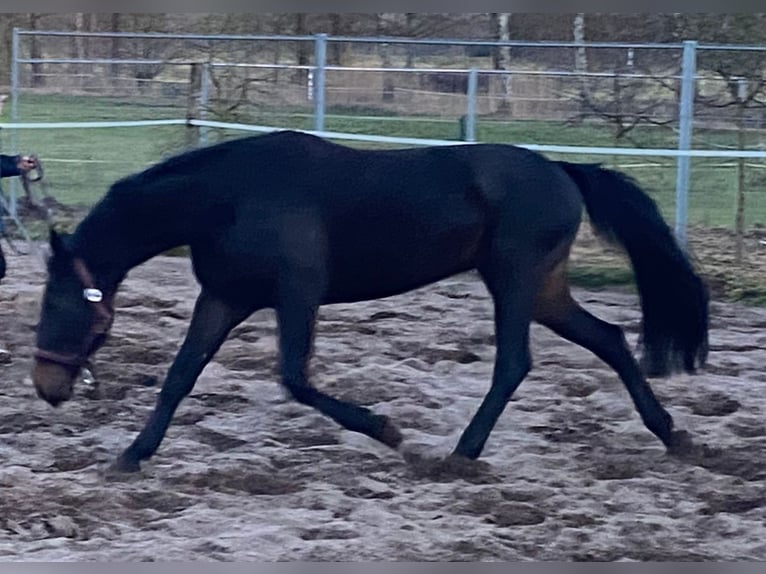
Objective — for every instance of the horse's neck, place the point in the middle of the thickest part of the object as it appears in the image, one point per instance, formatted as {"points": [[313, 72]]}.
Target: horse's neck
{"points": [[122, 232]]}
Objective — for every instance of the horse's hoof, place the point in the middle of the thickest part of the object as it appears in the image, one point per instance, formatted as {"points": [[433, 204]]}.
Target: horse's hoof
{"points": [[124, 465], [452, 467], [389, 434], [682, 447], [681, 444], [465, 466]]}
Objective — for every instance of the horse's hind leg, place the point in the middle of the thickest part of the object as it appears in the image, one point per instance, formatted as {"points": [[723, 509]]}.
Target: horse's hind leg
{"points": [[296, 320], [211, 323], [556, 309], [512, 286]]}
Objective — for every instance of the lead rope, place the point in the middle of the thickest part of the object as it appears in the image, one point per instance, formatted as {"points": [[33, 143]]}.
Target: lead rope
{"points": [[36, 175]]}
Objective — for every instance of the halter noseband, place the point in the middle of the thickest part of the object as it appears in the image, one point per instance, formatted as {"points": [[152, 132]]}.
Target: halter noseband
{"points": [[102, 322]]}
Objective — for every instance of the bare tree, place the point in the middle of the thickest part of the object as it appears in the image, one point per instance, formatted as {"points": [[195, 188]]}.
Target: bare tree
{"points": [[409, 31], [581, 58], [303, 49], [114, 26], [629, 102], [38, 79], [385, 25], [144, 49], [335, 55], [501, 56]]}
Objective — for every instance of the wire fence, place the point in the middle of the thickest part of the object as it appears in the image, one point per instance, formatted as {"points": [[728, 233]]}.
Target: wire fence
{"points": [[688, 131]]}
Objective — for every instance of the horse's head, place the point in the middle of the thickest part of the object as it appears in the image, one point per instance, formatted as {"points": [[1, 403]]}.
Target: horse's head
{"points": [[74, 321]]}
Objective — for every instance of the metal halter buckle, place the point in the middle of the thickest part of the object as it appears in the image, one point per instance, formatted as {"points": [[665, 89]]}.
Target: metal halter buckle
{"points": [[93, 295]]}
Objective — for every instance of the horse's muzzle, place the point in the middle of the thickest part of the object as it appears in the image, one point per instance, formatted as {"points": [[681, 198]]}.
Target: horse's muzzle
{"points": [[53, 382]]}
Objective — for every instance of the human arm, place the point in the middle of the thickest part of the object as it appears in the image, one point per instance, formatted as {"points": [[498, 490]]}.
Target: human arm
{"points": [[11, 165]]}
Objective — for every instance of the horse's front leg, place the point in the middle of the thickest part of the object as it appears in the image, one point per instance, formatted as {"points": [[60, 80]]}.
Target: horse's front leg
{"points": [[211, 323], [296, 328]]}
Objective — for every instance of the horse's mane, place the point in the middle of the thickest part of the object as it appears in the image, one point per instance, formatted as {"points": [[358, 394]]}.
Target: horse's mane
{"points": [[184, 164]]}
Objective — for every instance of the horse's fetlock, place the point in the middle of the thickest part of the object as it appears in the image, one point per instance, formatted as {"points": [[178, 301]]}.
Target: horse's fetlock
{"points": [[300, 392]]}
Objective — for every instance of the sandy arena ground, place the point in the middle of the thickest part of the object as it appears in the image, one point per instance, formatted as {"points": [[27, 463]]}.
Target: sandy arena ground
{"points": [[570, 472]]}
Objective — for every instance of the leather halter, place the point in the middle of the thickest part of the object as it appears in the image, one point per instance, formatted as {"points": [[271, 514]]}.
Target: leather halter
{"points": [[102, 321]]}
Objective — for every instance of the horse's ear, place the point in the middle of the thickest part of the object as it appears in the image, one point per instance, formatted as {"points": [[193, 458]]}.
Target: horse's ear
{"points": [[57, 242]]}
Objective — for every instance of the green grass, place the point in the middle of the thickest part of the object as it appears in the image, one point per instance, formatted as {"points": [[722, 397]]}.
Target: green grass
{"points": [[82, 163], [729, 284], [64, 108], [600, 276], [754, 296]]}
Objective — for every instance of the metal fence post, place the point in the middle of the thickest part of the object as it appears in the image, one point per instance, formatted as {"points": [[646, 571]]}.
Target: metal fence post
{"points": [[15, 47], [685, 120], [15, 74], [320, 62], [192, 105], [470, 114]]}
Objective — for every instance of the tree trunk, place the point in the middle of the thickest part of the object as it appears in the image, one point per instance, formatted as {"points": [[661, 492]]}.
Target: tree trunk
{"points": [[303, 47], [335, 52], [35, 52], [115, 50], [581, 59], [410, 28], [502, 55], [383, 29], [79, 41], [193, 101], [80, 47]]}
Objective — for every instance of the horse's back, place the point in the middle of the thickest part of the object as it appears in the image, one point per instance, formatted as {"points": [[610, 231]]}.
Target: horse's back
{"points": [[289, 166]]}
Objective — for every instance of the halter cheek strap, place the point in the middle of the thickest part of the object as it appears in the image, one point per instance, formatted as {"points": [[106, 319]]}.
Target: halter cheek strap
{"points": [[102, 320]]}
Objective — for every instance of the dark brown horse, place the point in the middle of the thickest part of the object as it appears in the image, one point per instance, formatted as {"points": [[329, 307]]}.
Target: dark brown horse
{"points": [[300, 222]]}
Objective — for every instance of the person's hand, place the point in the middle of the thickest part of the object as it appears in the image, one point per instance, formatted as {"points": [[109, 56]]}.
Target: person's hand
{"points": [[26, 163]]}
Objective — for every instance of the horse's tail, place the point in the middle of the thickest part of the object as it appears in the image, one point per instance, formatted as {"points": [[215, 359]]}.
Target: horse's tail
{"points": [[674, 300]]}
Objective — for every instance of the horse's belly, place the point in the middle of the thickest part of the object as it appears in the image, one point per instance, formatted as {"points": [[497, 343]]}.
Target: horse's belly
{"points": [[400, 263], [245, 274]]}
